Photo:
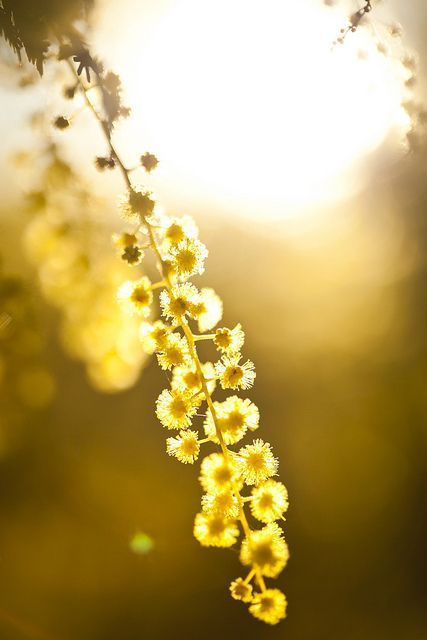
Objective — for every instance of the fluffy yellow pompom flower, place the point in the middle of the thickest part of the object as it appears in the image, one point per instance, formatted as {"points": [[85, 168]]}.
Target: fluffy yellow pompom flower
{"points": [[213, 530], [266, 550], [208, 310], [174, 352], [269, 501], [224, 502], [188, 377], [188, 258], [136, 296], [233, 375], [177, 229], [269, 606], [181, 301], [256, 462], [175, 409], [185, 448], [235, 415], [217, 473], [229, 341], [240, 590], [178, 255], [153, 336]]}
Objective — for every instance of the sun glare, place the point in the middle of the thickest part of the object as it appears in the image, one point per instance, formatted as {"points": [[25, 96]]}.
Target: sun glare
{"points": [[247, 106]]}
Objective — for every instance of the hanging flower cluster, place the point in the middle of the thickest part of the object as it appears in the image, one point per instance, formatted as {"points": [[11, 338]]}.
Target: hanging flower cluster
{"points": [[234, 478], [241, 494]]}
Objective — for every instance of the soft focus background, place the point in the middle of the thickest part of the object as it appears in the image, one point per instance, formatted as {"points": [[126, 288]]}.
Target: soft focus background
{"points": [[327, 276]]}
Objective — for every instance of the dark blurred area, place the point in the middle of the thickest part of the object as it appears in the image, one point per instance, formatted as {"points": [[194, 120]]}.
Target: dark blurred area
{"points": [[30, 27], [335, 315]]}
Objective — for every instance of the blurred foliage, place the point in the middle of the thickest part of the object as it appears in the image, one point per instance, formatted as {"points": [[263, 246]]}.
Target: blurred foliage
{"points": [[29, 26], [79, 273], [26, 385]]}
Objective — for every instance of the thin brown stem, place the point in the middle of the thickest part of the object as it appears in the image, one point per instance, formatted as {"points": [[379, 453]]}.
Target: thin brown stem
{"points": [[166, 281]]}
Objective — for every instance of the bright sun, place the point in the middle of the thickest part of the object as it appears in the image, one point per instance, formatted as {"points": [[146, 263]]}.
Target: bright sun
{"points": [[247, 106]]}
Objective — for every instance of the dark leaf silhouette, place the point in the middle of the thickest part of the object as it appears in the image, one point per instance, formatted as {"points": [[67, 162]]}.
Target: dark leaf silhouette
{"points": [[87, 63], [29, 26]]}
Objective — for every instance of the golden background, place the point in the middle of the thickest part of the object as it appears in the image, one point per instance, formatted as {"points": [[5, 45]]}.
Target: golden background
{"points": [[334, 308]]}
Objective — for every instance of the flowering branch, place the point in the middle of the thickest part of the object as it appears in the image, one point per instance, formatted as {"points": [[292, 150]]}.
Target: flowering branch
{"points": [[354, 22], [224, 474]]}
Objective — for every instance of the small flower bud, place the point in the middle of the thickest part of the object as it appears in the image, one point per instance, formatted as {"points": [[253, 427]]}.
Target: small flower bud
{"points": [[141, 203], [69, 92], [132, 255], [149, 161], [104, 163], [61, 122]]}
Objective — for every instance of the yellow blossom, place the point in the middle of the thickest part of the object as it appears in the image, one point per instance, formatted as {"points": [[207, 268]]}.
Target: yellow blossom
{"points": [[223, 502], [217, 473], [269, 501], [234, 416], [185, 448], [175, 409], [265, 550], [180, 301], [188, 258], [233, 375], [153, 336], [269, 606], [256, 462], [174, 352], [136, 296], [229, 341], [180, 255], [178, 229], [213, 530], [208, 310], [187, 377], [240, 590]]}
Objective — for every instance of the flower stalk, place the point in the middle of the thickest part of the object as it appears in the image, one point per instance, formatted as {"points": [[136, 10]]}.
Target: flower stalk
{"points": [[224, 474]]}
